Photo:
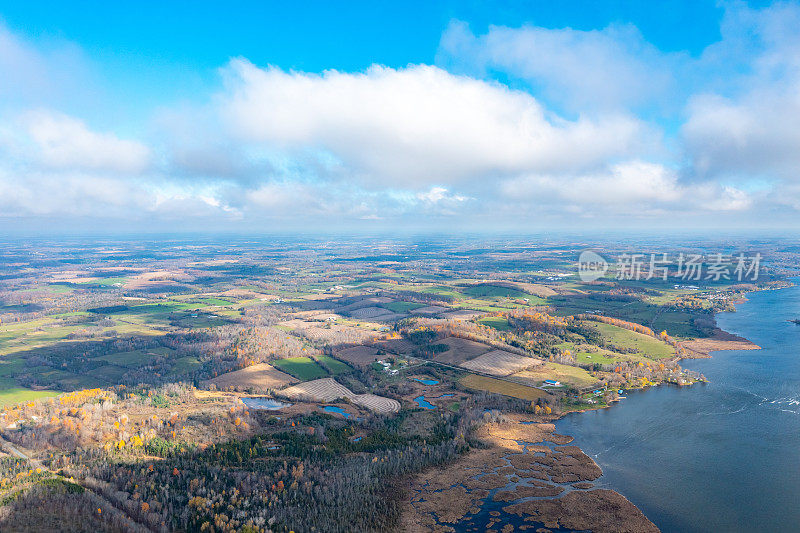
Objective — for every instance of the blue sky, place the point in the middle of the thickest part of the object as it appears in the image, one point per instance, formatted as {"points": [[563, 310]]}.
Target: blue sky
{"points": [[371, 116]]}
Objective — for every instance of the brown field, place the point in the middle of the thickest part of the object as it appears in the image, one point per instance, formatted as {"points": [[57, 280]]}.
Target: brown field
{"points": [[370, 312], [720, 340], [260, 377], [463, 314], [541, 291], [500, 363], [372, 301], [320, 390], [430, 310], [157, 277], [359, 355], [331, 333], [460, 350], [315, 314], [497, 386], [244, 294], [329, 390], [398, 346]]}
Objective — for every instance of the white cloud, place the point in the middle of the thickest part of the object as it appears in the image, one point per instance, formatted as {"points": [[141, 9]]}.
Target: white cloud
{"points": [[63, 142], [745, 124], [440, 194], [38, 75], [417, 126], [419, 143], [633, 187], [585, 70]]}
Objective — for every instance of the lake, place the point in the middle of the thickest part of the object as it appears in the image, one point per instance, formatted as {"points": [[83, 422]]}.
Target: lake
{"points": [[722, 456]]}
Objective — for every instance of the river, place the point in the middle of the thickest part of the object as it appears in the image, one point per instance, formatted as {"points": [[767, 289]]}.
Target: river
{"points": [[722, 456]]}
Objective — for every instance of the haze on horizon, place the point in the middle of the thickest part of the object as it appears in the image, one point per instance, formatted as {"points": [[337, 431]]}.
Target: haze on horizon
{"points": [[363, 118]]}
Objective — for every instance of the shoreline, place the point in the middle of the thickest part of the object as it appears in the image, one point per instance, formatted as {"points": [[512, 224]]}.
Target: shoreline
{"points": [[444, 505], [719, 341], [527, 477]]}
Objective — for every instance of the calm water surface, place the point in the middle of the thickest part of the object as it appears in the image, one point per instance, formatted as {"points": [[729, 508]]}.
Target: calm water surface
{"points": [[724, 456]]}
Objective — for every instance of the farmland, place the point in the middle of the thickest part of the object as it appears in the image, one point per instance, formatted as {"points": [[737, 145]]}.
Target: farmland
{"points": [[631, 340], [568, 375], [303, 368], [506, 388], [500, 363], [402, 307], [359, 355], [460, 350], [498, 323], [334, 366], [153, 352], [259, 377]]}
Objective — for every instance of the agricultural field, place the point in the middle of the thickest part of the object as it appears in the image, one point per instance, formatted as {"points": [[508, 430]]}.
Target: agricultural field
{"points": [[303, 368], [11, 394], [154, 349], [484, 290], [402, 307], [370, 312], [185, 365], [259, 377], [572, 376], [587, 354], [506, 388], [497, 322], [632, 340], [677, 322], [396, 346], [334, 366], [359, 355], [460, 350], [329, 390], [500, 363], [136, 358]]}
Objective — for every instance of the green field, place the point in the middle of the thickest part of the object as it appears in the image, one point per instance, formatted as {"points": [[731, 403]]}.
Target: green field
{"points": [[202, 320], [402, 307], [334, 365], [497, 322], [185, 365], [136, 358], [568, 375], [646, 345], [677, 322], [11, 393], [57, 288], [213, 301], [483, 290], [303, 368], [110, 373], [586, 354]]}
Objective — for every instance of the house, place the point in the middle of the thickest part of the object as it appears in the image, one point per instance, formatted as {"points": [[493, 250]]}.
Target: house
{"points": [[551, 383]]}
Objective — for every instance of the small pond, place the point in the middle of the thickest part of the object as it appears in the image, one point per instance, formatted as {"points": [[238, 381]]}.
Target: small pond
{"points": [[267, 404], [424, 403], [334, 409], [427, 381]]}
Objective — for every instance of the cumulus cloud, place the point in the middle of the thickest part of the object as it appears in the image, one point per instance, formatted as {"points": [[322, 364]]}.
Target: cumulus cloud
{"points": [[568, 134], [584, 70], [633, 187], [418, 125], [747, 125], [63, 142]]}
